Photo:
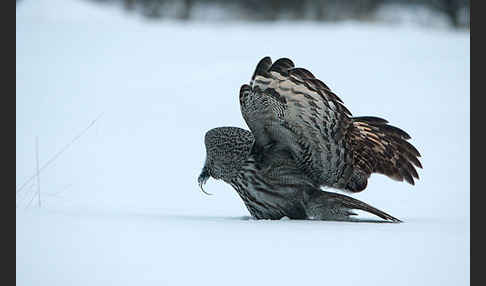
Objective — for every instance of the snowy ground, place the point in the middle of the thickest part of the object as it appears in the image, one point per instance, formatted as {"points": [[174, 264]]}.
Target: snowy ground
{"points": [[121, 206]]}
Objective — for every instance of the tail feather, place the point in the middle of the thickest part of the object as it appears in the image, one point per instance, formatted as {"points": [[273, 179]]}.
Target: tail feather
{"points": [[333, 206], [352, 203]]}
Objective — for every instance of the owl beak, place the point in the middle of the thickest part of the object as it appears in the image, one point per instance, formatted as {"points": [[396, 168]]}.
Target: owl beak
{"points": [[203, 178]]}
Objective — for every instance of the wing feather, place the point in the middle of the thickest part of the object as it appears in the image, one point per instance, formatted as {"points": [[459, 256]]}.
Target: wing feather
{"points": [[289, 107], [381, 148]]}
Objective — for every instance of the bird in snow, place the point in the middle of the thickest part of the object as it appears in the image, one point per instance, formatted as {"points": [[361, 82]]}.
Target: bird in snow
{"points": [[303, 138]]}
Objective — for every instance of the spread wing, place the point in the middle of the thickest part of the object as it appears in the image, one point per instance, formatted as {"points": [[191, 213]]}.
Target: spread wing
{"points": [[289, 108], [381, 148]]}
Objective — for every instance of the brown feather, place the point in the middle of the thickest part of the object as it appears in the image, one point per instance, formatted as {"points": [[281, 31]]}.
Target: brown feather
{"points": [[382, 148]]}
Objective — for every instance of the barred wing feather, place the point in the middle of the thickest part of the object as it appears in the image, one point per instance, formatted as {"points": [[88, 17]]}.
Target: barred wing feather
{"points": [[289, 108]]}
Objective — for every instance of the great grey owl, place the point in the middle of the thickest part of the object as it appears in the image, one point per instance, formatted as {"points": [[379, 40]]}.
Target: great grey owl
{"points": [[303, 138]]}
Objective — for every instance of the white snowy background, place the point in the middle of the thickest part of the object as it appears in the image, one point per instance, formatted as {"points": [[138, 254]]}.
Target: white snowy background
{"points": [[121, 206]]}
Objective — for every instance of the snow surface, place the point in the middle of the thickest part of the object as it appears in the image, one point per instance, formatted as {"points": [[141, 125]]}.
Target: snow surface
{"points": [[121, 206]]}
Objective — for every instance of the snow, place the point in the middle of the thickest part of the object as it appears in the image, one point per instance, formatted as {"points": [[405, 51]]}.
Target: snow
{"points": [[121, 204]]}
